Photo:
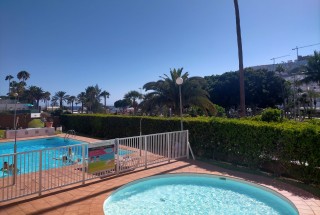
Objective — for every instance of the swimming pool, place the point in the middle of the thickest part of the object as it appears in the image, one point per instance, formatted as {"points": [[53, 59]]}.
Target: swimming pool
{"points": [[195, 194], [36, 144], [53, 149]]}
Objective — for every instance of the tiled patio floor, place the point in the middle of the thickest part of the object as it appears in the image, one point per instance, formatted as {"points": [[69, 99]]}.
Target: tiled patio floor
{"points": [[89, 198]]}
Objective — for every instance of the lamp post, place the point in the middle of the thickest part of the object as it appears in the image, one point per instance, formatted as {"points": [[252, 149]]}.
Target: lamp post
{"points": [[179, 81], [15, 138]]}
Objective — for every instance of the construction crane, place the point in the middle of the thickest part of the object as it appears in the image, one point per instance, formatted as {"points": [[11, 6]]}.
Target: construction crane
{"points": [[278, 57], [297, 48]]}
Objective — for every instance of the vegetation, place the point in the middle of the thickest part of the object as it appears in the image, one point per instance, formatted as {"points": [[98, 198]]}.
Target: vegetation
{"points": [[2, 134], [271, 115], [35, 123], [288, 148], [240, 57], [165, 93], [263, 89]]}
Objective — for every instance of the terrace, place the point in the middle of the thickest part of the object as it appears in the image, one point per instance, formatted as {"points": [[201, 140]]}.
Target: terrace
{"points": [[89, 198]]}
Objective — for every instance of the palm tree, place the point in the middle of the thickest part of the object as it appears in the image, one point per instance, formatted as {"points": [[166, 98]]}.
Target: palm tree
{"points": [[313, 69], [165, 93], [8, 78], [35, 93], [92, 97], [241, 71], [82, 99], [23, 76], [105, 95], [132, 96], [71, 100], [61, 97], [46, 98]]}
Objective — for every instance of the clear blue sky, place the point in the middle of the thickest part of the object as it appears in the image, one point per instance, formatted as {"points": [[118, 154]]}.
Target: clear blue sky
{"points": [[120, 45]]}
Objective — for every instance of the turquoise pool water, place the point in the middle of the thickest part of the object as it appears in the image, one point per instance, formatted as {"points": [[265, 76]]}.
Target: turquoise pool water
{"points": [[195, 194], [29, 162], [51, 158], [36, 144]]}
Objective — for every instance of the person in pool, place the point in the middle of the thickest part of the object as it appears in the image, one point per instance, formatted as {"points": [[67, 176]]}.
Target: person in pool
{"points": [[5, 167]]}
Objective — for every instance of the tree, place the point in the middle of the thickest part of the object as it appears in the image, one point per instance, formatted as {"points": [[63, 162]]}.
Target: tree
{"points": [[262, 87], [313, 69], [82, 99], [122, 103], [46, 98], [132, 96], [165, 93], [241, 72], [35, 93], [105, 95], [61, 97], [8, 78], [23, 76], [71, 100], [93, 98]]}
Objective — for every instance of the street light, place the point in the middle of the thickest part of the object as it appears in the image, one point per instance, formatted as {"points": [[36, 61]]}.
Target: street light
{"points": [[15, 138], [179, 81]]}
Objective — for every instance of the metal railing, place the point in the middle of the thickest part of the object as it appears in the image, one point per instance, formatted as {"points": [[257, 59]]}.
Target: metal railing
{"points": [[47, 169]]}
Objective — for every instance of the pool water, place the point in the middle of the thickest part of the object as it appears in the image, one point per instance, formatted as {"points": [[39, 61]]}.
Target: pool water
{"points": [[53, 149], [195, 194], [36, 144]]}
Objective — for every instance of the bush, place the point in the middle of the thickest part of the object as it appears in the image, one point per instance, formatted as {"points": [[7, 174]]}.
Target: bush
{"points": [[271, 115], [35, 123], [292, 145], [2, 134]]}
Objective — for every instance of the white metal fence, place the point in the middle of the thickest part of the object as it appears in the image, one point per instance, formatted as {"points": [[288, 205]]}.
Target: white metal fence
{"points": [[47, 169]]}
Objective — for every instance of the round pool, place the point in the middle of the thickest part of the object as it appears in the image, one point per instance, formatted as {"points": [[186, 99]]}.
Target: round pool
{"points": [[195, 194]]}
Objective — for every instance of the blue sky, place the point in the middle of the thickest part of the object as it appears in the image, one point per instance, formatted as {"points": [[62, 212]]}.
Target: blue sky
{"points": [[123, 44]]}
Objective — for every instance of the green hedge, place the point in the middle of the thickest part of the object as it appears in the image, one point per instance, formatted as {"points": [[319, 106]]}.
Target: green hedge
{"points": [[288, 148]]}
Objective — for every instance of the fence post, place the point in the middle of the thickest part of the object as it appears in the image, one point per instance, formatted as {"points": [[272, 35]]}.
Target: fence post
{"points": [[118, 157], [145, 153], [40, 172], [169, 147], [84, 164], [187, 133], [140, 145]]}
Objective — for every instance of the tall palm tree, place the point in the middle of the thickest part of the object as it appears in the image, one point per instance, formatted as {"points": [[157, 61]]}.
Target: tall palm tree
{"points": [[105, 95], [165, 93], [23, 76], [92, 96], [71, 100], [61, 97], [46, 98], [241, 71], [82, 99], [8, 78], [133, 96], [35, 93]]}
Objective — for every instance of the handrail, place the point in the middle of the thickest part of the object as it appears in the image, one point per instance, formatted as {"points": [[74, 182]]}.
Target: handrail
{"points": [[70, 132]]}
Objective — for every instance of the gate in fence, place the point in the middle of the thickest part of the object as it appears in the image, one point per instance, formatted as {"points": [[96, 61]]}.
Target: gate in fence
{"points": [[42, 170]]}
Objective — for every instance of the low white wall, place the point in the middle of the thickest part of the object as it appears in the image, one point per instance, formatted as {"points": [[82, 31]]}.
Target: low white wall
{"points": [[30, 132]]}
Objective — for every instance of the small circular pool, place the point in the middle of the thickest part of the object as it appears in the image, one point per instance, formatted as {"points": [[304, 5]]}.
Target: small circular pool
{"points": [[195, 194]]}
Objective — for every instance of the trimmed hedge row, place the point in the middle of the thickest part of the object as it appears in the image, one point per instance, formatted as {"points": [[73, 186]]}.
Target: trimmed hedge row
{"points": [[290, 149]]}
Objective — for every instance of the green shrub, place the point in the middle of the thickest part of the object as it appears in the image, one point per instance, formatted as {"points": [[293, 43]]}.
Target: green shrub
{"points": [[2, 133], [291, 145], [35, 123], [271, 115]]}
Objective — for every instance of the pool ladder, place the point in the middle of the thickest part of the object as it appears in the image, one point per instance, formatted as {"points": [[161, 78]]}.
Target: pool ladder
{"points": [[68, 134]]}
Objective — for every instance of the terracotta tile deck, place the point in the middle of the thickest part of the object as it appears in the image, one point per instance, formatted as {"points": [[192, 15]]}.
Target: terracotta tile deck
{"points": [[89, 198]]}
